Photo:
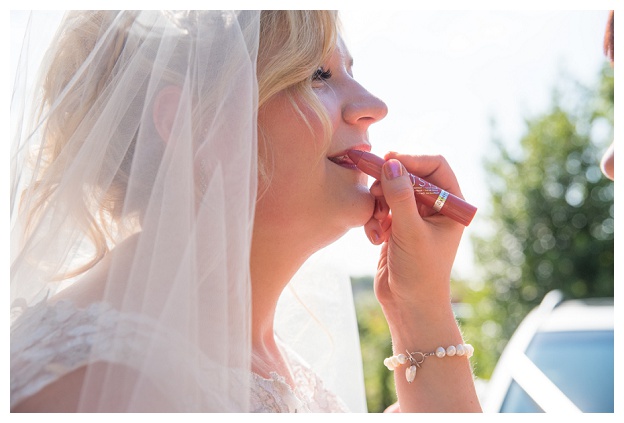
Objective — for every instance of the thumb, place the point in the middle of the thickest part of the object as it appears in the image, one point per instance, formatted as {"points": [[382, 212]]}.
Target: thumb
{"points": [[399, 195]]}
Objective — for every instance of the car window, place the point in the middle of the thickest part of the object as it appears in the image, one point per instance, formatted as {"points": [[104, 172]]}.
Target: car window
{"points": [[580, 364]]}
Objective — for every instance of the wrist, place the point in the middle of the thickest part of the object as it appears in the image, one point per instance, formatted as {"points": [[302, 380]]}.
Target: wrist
{"points": [[413, 360], [415, 297], [423, 329]]}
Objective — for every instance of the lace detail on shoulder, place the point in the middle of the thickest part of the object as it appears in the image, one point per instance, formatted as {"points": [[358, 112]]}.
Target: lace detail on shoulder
{"points": [[50, 341], [309, 396]]}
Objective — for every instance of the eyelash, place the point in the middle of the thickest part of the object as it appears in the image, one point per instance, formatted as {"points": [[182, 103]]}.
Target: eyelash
{"points": [[321, 74]]}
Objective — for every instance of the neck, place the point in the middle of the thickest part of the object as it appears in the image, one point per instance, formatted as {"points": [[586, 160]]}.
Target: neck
{"points": [[281, 244], [273, 264]]}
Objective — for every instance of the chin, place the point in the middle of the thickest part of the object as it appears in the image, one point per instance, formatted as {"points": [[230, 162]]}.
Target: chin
{"points": [[354, 212], [363, 207]]}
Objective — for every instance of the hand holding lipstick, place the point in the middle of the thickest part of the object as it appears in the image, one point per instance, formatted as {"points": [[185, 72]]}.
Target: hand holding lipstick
{"points": [[412, 282], [422, 242], [427, 193]]}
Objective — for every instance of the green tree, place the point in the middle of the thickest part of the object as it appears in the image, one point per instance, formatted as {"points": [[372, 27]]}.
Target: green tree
{"points": [[551, 224], [375, 344]]}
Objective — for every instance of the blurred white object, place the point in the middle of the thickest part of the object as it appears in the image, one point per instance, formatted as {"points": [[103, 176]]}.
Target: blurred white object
{"points": [[560, 359]]}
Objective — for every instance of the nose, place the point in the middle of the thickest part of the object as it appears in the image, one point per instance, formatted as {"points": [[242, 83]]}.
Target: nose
{"points": [[363, 108]]}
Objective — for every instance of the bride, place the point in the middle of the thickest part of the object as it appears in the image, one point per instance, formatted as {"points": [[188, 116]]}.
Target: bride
{"points": [[171, 174]]}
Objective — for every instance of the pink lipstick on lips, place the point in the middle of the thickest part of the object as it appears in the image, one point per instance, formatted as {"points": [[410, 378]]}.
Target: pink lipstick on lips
{"points": [[438, 199]]}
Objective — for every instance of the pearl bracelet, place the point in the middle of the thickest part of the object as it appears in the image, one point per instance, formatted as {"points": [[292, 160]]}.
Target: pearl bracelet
{"points": [[417, 358]]}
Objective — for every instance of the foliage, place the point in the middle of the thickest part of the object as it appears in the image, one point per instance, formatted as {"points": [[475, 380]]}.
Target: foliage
{"points": [[376, 346], [551, 224]]}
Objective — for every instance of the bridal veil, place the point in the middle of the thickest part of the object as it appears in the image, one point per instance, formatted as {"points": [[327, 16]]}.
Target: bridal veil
{"points": [[135, 145]]}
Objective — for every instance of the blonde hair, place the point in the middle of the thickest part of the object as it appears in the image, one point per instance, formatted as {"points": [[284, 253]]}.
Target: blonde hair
{"points": [[65, 112], [293, 44]]}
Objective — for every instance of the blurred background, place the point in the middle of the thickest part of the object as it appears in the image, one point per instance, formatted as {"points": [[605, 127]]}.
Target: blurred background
{"points": [[521, 105]]}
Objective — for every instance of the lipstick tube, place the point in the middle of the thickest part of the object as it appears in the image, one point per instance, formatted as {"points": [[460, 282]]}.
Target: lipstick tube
{"points": [[426, 193]]}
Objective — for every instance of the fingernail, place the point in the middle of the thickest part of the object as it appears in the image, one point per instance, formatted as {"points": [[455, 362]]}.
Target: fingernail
{"points": [[393, 169], [374, 237]]}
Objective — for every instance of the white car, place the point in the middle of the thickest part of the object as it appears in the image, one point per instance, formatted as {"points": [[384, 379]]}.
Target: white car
{"points": [[560, 359]]}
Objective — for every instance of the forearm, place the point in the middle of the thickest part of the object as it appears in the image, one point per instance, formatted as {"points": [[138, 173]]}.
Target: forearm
{"points": [[412, 286], [440, 384]]}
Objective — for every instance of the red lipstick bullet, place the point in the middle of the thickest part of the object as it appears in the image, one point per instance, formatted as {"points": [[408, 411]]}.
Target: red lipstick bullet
{"points": [[438, 199]]}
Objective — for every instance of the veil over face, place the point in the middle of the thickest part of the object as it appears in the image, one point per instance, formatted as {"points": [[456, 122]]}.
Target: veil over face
{"points": [[137, 153]]}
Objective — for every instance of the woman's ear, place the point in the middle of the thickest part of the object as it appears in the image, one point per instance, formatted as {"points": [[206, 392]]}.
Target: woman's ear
{"points": [[165, 110]]}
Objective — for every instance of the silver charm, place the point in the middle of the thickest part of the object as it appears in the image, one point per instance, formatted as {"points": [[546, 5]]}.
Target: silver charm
{"points": [[410, 372]]}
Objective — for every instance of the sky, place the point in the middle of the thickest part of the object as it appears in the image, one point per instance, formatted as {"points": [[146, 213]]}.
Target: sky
{"points": [[445, 74]]}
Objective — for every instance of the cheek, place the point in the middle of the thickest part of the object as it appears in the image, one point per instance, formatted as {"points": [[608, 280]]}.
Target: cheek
{"points": [[285, 133], [332, 106], [289, 152], [294, 167]]}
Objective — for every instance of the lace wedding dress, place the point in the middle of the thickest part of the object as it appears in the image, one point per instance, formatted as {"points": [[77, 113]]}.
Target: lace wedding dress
{"points": [[50, 341]]}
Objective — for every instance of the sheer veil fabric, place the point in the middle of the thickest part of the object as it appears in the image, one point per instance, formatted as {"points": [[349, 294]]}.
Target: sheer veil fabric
{"points": [[141, 157], [183, 207]]}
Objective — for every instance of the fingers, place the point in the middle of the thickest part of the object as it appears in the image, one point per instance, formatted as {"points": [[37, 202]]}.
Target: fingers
{"points": [[373, 231], [399, 195], [434, 169], [376, 190], [381, 208], [395, 192], [378, 230]]}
